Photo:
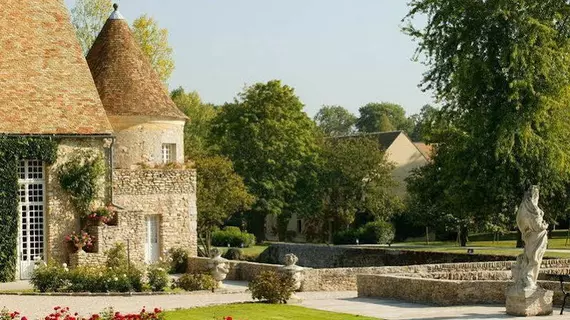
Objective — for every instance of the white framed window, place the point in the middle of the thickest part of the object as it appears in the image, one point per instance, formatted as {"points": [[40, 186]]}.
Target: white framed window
{"points": [[168, 152]]}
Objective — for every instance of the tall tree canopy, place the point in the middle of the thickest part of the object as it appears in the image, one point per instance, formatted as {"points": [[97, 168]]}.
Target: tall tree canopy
{"points": [[427, 125], [501, 70], [89, 16], [335, 121], [382, 117], [197, 128], [270, 140]]}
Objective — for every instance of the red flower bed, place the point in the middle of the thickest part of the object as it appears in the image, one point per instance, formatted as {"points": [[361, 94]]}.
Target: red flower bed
{"points": [[60, 313]]}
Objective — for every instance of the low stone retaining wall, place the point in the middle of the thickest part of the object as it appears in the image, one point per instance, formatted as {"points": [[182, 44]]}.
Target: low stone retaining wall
{"points": [[326, 256], [239, 270], [418, 289]]}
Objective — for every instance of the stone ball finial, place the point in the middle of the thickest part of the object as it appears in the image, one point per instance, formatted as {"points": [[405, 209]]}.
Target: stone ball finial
{"points": [[116, 6]]}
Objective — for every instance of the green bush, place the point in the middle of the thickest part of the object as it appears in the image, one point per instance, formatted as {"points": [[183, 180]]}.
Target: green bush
{"points": [[232, 236], [272, 287], [376, 232], [157, 277], [117, 257], [49, 278], [233, 254], [178, 260], [195, 282]]}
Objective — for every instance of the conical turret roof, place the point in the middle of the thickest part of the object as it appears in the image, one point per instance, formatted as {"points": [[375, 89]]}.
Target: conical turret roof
{"points": [[125, 79], [45, 83]]}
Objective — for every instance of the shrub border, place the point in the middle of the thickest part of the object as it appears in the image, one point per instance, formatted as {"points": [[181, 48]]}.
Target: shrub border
{"points": [[11, 150]]}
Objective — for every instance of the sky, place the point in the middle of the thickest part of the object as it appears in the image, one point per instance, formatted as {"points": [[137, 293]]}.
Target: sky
{"points": [[333, 52]]}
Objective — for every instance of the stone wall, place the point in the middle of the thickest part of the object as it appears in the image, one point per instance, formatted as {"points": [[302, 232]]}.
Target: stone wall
{"points": [[239, 270], [61, 217], [442, 292], [326, 256], [170, 194]]}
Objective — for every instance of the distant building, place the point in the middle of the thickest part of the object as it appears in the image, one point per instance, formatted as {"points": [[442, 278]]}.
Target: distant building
{"points": [[400, 150], [118, 110]]}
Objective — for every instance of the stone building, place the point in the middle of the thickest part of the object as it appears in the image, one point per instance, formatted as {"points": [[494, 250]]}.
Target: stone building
{"points": [[114, 107]]}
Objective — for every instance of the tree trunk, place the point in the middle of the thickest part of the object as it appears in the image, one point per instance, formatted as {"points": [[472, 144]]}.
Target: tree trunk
{"points": [[427, 235], [520, 243], [463, 236]]}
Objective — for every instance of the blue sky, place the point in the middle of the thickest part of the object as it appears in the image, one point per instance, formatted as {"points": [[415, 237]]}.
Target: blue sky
{"points": [[345, 52]]}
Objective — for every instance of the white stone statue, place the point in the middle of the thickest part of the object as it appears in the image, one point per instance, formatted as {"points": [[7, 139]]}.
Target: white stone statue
{"points": [[293, 270], [219, 267], [524, 297], [534, 234]]}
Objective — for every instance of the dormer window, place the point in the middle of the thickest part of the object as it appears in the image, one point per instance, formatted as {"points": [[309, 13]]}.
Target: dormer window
{"points": [[168, 152]]}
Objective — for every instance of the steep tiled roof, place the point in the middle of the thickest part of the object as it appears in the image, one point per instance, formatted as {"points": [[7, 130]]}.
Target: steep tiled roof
{"points": [[45, 84], [127, 84]]}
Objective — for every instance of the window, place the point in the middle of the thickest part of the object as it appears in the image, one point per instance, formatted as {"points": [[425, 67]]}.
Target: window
{"points": [[168, 152]]}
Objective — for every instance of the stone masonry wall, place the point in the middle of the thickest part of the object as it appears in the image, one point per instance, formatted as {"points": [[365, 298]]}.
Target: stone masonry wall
{"points": [[61, 218], [170, 194]]}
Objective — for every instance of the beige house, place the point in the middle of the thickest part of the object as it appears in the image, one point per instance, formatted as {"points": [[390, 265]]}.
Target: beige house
{"points": [[114, 107], [400, 150]]}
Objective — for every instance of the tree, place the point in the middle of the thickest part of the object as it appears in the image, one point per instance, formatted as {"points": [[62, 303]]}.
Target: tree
{"points": [[270, 140], [153, 41], [382, 117], [356, 178], [88, 17], [502, 71], [335, 121], [197, 129], [221, 192], [427, 125]]}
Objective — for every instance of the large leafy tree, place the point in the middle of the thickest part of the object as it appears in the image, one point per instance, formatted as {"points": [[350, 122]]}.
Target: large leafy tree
{"points": [[501, 70], [427, 125], [197, 129], [89, 16], [270, 141], [335, 121], [382, 117], [221, 193]]}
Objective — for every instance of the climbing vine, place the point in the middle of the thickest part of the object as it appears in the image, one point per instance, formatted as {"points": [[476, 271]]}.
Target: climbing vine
{"points": [[80, 178], [11, 150]]}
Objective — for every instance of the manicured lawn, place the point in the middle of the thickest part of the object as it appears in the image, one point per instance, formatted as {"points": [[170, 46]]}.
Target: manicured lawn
{"points": [[258, 311]]}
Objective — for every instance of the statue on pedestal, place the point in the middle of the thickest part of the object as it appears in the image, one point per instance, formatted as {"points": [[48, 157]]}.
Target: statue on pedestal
{"points": [[295, 272], [524, 297], [219, 267]]}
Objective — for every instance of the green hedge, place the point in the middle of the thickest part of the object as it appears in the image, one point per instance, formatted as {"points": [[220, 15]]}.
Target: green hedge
{"points": [[12, 149], [232, 236], [377, 232]]}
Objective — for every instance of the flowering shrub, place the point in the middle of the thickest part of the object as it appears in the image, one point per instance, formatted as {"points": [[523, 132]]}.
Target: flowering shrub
{"points": [[48, 278], [102, 214], [157, 277], [80, 240], [60, 313], [272, 286], [194, 282]]}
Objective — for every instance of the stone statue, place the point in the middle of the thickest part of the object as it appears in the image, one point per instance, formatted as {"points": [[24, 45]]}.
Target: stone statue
{"points": [[534, 234], [524, 297], [293, 270], [219, 267]]}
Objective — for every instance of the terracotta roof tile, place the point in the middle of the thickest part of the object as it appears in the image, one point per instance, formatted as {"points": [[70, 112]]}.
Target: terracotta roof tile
{"points": [[126, 81], [45, 83]]}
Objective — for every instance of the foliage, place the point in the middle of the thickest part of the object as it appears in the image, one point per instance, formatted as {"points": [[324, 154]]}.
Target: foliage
{"points": [[81, 178], [48, 277], [157, 277], [501, 70], [221, 192], [232, 236], [382, 117], [269, 139], [427, 125], [335, 121], [88, 18], [117, 256], [375, 232], [272, 287], [11, 150], [64, 313], [355, 178], [81, 240], [153, 41], [196, 130], [233, 254], [102, 214], [195, 282], [178, 260]]}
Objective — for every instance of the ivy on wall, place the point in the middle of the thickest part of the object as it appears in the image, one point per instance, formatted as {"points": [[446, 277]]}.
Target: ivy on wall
{"points": [[80, 178], [11, 150]]}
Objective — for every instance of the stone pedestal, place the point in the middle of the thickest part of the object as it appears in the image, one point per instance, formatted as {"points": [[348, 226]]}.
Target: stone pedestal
{"points": [[528, 303]]}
